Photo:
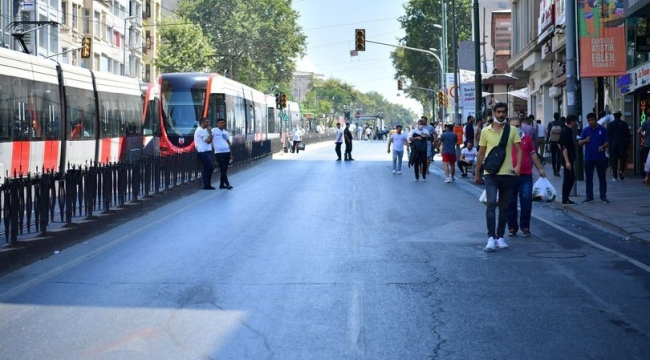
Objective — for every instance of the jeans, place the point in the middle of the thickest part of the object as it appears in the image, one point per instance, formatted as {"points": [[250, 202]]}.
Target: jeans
{"points": [[337, 148], [296, 146], [502, 185], [223, 159], [618, 157], [207, 162], [397, 159], [465, 167], [601, 168], [522, 188]]}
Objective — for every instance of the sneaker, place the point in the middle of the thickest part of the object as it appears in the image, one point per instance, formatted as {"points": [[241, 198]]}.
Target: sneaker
{"points": [[621, 175], [614, 179], [398, 173], [394, 171], [453, 179], [526, 232], [568, 202], [512, 232], [588, 201], [491, 246], [447, 180], [424, 179], [604, 200], [501, 244], [417, 179]]}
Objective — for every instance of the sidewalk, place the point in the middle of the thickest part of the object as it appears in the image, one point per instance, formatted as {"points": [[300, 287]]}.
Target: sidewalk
{"points": [[628, 211]]}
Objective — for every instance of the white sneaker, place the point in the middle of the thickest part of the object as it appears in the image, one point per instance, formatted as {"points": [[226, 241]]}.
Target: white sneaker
{"points": [[394, 171], [501, 244], [447, 180], [417, 179], [398, 173], [491, 246], [614, 180]]}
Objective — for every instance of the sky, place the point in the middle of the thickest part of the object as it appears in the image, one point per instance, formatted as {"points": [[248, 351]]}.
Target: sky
{"points": [[329, 26]]}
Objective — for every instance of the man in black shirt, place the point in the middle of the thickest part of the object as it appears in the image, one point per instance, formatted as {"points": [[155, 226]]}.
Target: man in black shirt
{"points": [[554, 129], [568, 149], [347, 136], [619, 137]]}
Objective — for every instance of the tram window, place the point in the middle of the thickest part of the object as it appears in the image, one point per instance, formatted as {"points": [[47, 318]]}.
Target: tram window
{"points": [[82, 114], [48, 108], [217, 108], [6, 108]]}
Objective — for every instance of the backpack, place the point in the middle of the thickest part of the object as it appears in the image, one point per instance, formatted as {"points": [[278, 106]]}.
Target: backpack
{"points": [[555, 133]]}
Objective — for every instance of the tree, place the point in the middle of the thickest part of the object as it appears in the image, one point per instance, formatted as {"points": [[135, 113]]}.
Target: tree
{"points": [[422, 69], [256, 41], [183, 47]]}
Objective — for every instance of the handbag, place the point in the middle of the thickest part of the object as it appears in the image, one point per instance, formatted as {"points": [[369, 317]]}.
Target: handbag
{"points": [[493, 161], [301, 145]]}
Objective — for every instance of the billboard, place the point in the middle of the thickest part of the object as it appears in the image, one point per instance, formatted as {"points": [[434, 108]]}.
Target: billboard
{"points": [[601, 34]]}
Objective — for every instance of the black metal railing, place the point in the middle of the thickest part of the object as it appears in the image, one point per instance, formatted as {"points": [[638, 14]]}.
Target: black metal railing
{"points": [[30, 204]]}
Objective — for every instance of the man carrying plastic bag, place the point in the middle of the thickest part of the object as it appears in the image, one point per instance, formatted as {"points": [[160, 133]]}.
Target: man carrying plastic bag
{"points": [[522, 187], [543, 190]]}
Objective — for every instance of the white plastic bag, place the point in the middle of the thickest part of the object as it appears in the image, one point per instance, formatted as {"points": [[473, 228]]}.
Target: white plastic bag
{"points": [[483, 197], [543, 190]]}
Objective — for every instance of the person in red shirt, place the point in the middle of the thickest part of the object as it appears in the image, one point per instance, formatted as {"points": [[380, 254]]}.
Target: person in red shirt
{"points": [[522, 188]]}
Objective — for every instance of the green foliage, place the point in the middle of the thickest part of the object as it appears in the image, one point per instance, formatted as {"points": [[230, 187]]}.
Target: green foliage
{"points": [[256, 41], [422, 69], [333, 97], [184, 47]]}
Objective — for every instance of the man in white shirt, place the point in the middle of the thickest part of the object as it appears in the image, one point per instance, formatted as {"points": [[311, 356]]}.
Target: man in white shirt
{"points": [[203, 145], [398, 139], [467, 159], [297, 137], [605, 119], [221, 144], [338, 140]]}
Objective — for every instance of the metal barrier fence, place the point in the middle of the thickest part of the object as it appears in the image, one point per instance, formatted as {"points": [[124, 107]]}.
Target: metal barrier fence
{"points": [[31, 203]]}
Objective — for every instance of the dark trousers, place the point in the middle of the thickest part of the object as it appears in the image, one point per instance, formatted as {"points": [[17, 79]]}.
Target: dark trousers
{"points": [[348, 150], [601, 168], [556, 157], [207, 162], [296, 146], [223, 159], [420, 163], [618, 158], [501, 185], [567, 182], [337, 148], [464, 167]]}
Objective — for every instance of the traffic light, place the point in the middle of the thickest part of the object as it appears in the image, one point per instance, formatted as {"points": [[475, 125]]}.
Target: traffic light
{"points": [[86, 46], [360, 36], [277, 101], [400, 86], [441, 98], [283, 100]]}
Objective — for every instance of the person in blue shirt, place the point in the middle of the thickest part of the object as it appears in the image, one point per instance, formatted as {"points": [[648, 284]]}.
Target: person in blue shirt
{"points": [[596, 141]]}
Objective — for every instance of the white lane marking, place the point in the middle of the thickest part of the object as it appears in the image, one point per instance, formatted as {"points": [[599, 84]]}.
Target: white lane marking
{"points": [[595, 244], [355, 332]]}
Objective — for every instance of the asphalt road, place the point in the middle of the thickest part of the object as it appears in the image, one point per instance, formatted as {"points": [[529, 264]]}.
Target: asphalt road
{"points": [[307, 258]]}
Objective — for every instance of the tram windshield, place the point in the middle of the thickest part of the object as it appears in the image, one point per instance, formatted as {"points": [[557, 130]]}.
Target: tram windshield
{"points": [[182, 107]]}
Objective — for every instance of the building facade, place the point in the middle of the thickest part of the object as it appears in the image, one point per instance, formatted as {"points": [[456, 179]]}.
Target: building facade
{"points": [[123, 32]]}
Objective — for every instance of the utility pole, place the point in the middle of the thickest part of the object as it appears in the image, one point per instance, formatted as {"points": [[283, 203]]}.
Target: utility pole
{"points": [[443, 54], [572, 77], [478, 82], [457, 120]]}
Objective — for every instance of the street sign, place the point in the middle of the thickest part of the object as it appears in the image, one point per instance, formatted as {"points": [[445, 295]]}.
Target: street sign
{"points": [[283, 115]]}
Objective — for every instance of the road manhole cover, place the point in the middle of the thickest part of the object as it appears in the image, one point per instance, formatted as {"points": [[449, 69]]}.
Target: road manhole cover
{"points": [[556, 254]]}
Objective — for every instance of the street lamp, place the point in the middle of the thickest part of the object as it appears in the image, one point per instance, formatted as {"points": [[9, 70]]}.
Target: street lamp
{"points": [[132, 17]]}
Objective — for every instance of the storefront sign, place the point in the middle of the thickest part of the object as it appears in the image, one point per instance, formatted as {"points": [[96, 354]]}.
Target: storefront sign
{"points": [[547, 49], [546, 15], [634, 79], [560, 19], [602, 39], [560, 74]]}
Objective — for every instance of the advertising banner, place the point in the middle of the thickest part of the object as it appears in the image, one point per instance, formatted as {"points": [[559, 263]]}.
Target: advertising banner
{"points": [[602, 38]]}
